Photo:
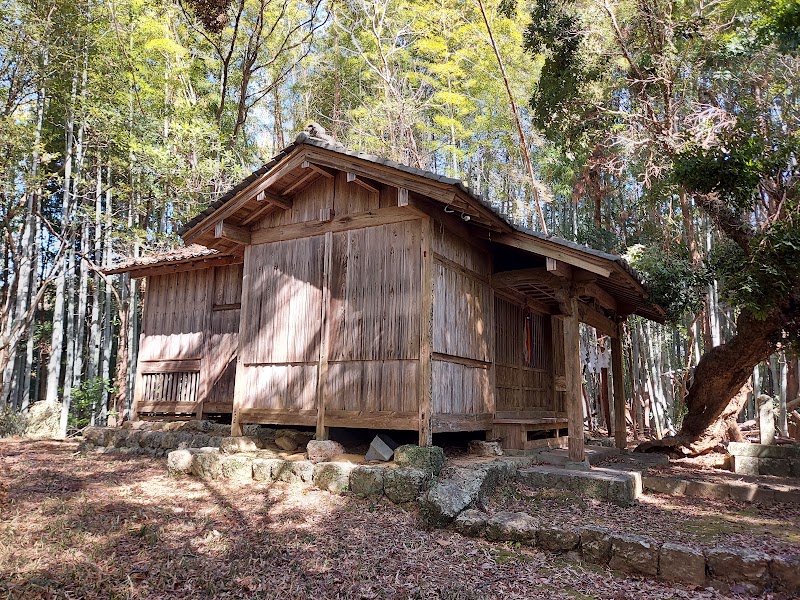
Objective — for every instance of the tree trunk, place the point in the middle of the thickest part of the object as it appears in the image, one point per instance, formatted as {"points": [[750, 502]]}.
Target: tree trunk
{"points": [[721, 376]]}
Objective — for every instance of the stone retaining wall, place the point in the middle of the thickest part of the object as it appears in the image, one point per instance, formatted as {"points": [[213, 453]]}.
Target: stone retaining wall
{"points": [[155, 438], [765, 459], [739, 491], [719, 567]]}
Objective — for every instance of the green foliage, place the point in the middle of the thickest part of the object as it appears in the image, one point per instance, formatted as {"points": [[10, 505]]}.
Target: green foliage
{"points": [[86, 398], [12, 422], [731, 171], [674, 282], [769, 274]]}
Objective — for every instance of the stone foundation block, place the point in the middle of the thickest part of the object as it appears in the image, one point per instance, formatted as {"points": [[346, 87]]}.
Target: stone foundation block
{"points": [[737, 564], [744, 465], [296, 471], [634, 554], [323, 450], [267, 469], [786, 496], [207, 465], [557, 539], [682, 564], [470, 522], [236, 468], [429, 459], [512, 527], [764, 450], [619, 487], [179, 462], [404, 484], [366, 481], [779, 467], [332, 476], [785, 572], [741, 491], [481, 448], [664, 485], [595, 544], [235, 445], [706, 489]]}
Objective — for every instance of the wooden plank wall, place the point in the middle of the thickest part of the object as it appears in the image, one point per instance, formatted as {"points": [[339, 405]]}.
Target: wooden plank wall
{"points": [[176, 316], [463, 398], [373, 324], [280, 326], [519, 387], [191, 318], [222, 342]]}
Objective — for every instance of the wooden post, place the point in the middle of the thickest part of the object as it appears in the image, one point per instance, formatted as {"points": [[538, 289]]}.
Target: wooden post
{"points": [[572, 371], [617, 373], [239, 382], [425, 335], [322, 369]]}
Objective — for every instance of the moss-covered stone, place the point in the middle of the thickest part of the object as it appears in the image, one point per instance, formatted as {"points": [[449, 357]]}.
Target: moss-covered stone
{"points": [[367, 481], [404, 484], [429, 459], [332, 476]]}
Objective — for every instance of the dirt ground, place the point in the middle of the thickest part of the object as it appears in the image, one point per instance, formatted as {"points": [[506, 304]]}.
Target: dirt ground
{"points": [[104, 526]]}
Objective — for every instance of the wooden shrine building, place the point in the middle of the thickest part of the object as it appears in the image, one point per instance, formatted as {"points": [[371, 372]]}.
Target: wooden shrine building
{"points": [[337, 289]]}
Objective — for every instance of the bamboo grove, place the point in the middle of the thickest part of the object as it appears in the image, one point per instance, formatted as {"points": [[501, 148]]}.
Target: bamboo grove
{"points": [[120, 120]]}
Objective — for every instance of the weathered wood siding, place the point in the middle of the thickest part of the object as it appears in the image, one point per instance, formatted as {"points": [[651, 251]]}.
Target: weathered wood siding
{"points": [[280, 331], [222, 343], [462, 334], [523, 385], [189, 340], [371, 369], [176, 316]]}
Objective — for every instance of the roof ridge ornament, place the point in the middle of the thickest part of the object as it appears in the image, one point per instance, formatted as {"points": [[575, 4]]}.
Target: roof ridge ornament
{"points": [[316, 131]]}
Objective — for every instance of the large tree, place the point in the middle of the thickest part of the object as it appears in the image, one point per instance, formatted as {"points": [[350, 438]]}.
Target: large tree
{"points": [[696, 101]]}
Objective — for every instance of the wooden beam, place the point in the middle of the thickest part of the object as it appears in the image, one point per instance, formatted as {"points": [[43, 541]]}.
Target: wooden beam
{"points": [[239, 392], [572, 395], [402, 196], [592, 316], [381, 216], [279, 201], [232, 233], [605, 299], [180, 365], [426, 335], [289, 164], [327, 173], [353, 178], [618, 378], [535, 276], [559, 268], [301, 183], [551, 250]]}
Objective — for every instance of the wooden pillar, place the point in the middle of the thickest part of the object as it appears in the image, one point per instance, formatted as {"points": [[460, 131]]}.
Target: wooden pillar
{"points": [[572, 370], [620, 432], [426, 335], [241, 370], [322, 371]]}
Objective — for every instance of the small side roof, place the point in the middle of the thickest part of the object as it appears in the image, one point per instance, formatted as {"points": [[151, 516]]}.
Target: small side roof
{"points": [[191, 256]]}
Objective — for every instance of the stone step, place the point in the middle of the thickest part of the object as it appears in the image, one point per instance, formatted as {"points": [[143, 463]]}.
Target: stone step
{"points": [[611, 485], [560, 456]]}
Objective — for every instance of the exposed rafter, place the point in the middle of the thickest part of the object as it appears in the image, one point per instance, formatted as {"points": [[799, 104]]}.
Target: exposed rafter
{"points": [[232, 233]]}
